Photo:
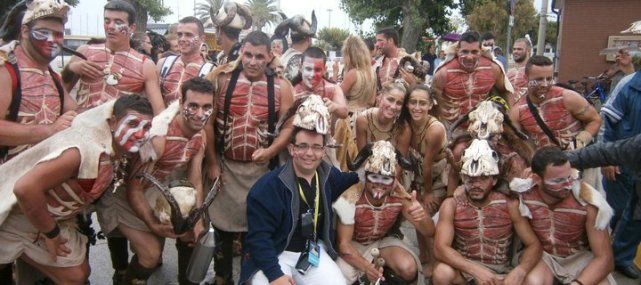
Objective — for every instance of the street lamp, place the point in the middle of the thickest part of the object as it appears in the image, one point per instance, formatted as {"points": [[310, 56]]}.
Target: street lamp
{"points": [[329, 17]]}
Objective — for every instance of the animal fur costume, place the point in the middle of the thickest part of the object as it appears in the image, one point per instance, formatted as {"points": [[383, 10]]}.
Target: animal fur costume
{"points": [[231, 15]]}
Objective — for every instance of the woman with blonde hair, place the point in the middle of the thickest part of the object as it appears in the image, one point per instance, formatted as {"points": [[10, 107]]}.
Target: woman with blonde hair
{"points": [[359, 81]]}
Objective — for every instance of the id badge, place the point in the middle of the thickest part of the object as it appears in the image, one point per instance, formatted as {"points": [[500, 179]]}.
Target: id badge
{"points": [[314, 253]]}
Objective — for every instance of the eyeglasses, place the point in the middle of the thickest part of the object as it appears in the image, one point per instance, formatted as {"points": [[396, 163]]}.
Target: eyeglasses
{"points": [[316, 148], [379, 178]]}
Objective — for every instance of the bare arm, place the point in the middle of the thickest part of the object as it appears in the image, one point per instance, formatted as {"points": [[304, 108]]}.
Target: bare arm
{"points": [[13, 133], [603, 261], [532, 252], [582, 111], [434, 139], [344, 234], [338, 106], [361, 131], [152, 87], [348, 81], [403, 139], [31, 188], [414, 212], [515, 117]]}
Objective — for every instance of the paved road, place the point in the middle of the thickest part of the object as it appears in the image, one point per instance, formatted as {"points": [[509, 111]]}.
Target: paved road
{"points": [[166, 274]]}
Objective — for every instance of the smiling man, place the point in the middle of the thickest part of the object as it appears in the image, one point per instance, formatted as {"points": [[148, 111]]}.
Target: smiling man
{"points": [[176, 69], [113, 69], [521, 54], [48, 184], [177, 140], [249, 100]]}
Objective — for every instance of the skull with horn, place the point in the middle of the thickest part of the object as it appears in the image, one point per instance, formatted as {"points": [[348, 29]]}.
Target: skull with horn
{"points": [[298, 26], [313, 115], [380, 157], [232, 15], [480, 160]]}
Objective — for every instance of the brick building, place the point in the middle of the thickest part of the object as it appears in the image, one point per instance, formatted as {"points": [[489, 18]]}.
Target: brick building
{"points": [[584, 28]]}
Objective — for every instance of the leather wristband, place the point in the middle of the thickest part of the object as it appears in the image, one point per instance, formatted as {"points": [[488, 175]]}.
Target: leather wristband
{"points": [[577, 281], [53, 233]]}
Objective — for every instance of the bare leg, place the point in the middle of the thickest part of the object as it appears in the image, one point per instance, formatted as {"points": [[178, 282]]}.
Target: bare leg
{"points": [[400, 261], [540, 275], [146, 245], [445, 275], [63, 275]]}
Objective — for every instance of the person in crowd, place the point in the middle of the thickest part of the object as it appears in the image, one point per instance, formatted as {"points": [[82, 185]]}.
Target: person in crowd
{"points": [[359, 81], [521, 52], [113, 69], [278, 46], [475, 229], [430, 56], [51, 182], [388, 64], [368, 210], [249, 100], [289, 210], [488, 42], [229, 21], [301, 33]]}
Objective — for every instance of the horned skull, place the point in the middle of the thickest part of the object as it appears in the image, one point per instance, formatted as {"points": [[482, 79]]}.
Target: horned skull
{"points": [[313, 115], [480, 159], [486, 120], [177, 205]]}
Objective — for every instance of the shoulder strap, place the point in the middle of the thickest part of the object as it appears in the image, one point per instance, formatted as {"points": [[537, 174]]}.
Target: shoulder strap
{"points": [[16, 97], [167, 65], [61, 91], [540, 122], [271, 113], [220, 142], [205, 69]]}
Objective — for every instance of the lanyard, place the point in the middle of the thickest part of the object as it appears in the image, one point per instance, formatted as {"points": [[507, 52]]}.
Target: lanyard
{"points": [[316, 202]]}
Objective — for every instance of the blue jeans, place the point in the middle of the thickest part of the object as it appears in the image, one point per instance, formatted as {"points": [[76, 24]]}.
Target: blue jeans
{"points": [[618, 194], [627, 233]]}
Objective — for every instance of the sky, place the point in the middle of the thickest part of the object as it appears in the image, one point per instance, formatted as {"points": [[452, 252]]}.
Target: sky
{"points": [[86, 17]]}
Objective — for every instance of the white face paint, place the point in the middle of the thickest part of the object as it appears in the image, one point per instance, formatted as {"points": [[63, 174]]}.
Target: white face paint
{"points": [[308, 73], [130, 126], [122, 28], [312, 71]]}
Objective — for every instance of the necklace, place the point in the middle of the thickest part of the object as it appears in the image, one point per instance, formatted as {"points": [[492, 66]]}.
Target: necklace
{"points": [[119, 171], [111, 78]]}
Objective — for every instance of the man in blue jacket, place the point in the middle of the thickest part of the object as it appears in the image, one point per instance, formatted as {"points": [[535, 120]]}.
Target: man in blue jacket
{"points": [[290, 238]]}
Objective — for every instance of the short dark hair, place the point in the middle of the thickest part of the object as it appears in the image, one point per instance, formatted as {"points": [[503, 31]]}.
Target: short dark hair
{"points": [[299, 129], [258, 38], [196, 84], [122, 6], [470, 37], [315, 52], [389, 32], [538, 60], [133, 102], [528, 44], [547, 155], [193, 20], [370, 43], [487, 36], [230, 32]]}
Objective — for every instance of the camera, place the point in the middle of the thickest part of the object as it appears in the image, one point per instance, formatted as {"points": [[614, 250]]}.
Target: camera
{"points": [[302, 265]]}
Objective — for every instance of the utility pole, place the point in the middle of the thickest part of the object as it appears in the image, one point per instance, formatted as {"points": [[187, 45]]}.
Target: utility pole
{"points": [[510, 24], [329, 17], [540, 44]]}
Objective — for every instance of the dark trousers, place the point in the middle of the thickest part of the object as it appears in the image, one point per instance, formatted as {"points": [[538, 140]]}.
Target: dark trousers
{"points": [[627, 233], [224, 254], [184, 254]]}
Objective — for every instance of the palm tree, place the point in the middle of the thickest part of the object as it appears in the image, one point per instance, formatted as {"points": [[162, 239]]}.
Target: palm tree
{"points": [[264, 12], [206, 9]]}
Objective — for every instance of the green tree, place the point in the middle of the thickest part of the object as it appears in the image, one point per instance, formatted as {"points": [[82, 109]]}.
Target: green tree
{"points": [[264, 12], [492, 17], [410, 17], [550, 32], [146, 9], [206, 9], [334, 37]]}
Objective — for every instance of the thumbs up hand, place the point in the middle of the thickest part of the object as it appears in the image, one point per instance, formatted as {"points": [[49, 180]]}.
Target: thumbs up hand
{"points": [[415, 210]]}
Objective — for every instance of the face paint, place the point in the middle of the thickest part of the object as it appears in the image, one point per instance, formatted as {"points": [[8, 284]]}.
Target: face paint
{"points": [[190, 111], [559, 184], [312, 72], [130, 126], [378, 185], [122, 28], [380, 179], [45, 42]]}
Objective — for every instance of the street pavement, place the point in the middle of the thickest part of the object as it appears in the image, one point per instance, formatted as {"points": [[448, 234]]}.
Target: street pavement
{"points": [[167, 273]]}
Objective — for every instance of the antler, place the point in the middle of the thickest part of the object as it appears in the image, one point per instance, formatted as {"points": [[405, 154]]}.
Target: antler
{"points": [[177, 219], [195, 214], [361, 157]]}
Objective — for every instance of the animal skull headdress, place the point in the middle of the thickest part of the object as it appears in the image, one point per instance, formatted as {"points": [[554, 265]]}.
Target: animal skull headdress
{"points": [[486, 120], [232, 15], [298, 25], [480, 159], [38, 9], [312, 115], [380, 157]]}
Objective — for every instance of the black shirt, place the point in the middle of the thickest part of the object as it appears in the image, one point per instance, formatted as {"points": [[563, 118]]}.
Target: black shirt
{"points": [[298, 241]]}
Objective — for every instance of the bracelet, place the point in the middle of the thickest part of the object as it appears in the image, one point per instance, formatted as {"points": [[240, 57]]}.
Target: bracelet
{"points": [[56, 231], [578, 281]]}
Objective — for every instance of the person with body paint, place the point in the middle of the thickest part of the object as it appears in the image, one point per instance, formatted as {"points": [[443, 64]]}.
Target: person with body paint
{"points": [[113, 69], [43, 108], [176, 69], [46, 186], [177, 145]]}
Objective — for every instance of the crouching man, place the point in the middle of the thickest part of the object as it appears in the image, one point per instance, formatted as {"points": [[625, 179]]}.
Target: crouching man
{"points": [[367, 212], [175, 152], [571, 220], [475, 229], [44, 187], [289, 213]]}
